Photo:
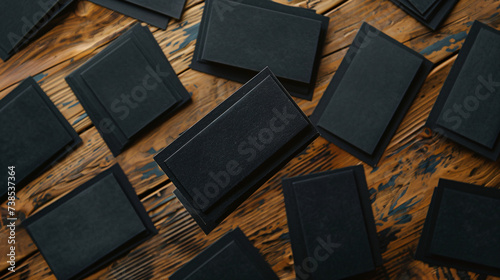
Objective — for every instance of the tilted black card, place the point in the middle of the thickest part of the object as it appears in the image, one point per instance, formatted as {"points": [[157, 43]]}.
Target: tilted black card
{"points": [[132, 10], [127, 87], [238, 38], [430, 13], [33, 134], [23, 20], [370, 94], [227, 155], [331, 224], [462, 228], [468, 108], [92, 225], [231, 257], [171, 8]]}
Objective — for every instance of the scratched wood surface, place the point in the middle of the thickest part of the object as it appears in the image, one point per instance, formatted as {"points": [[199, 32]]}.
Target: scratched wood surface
{"points": [[401, 186]]}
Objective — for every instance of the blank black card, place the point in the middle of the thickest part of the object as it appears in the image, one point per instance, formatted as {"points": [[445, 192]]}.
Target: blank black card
{"points": [[34, 134], [239, 38], [461, 228], [231, 257], [468, 107], [227, 155], [127, 87], [86, 229], [370, 93], [331, 222]]}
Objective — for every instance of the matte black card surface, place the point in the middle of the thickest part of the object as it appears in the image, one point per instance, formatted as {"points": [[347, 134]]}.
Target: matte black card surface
{"points": [[83, 231], [423, 5], [370, 93], [33, 133], [132, 10], [171, 8], [226, 156], [468, 108], [331, 221], [237, 42], [231, 257], [124, 97], [461, 228], [430, 13]]}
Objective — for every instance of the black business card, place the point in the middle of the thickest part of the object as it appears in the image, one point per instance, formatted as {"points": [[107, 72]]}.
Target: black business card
{"points": [[461, 228], [128, 87], [240, 40], [370, 93], [92, 225], [226, 156], [229, 258], [331, 224], [34, 134], [430, 13]]}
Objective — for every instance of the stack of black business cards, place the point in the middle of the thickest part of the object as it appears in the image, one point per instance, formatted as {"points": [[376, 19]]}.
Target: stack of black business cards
{"points": [[231, 257], [369, 95], [86, 229], [34, 134], [238, 38], [430, 13], [468, 107], [127, 87], [331, 224], [462, 228], [227, 155], [154, 12], [23, 20]]}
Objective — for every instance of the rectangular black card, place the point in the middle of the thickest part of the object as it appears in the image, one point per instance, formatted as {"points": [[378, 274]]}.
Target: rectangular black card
{"points": [[128, 87], [227, 155], [238, 38], [331, 224], [171, 8], [231, 257], [430, 13], [370, 94], [468, 108], [462, 228], [132, 10], [89, 227], [33, 134]]}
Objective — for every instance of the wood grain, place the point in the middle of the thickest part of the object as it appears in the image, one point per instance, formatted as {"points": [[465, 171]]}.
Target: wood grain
{"points": [[401, 186]]}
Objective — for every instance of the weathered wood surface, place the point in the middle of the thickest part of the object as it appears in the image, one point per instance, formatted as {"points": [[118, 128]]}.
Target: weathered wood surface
{"points": [[401, 186]]}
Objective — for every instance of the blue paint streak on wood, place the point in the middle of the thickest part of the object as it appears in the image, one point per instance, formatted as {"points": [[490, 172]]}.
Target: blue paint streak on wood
{"points": [[39, 77], [152, 151], [74, 105], [83, 116], [66, 103], [403, 208], [446, 42], [192, 34], [391, 183], [149, 170], [429, 165], [386, 236], [406, 218]]}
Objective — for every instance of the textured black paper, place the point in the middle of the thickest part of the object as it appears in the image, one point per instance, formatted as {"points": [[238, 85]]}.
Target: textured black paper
{"points": [[231, 257], [171, 8], [132, 10], [423, 5], [461, 228], [331, 221], [370, 93], [468, 107], [287, 39], [434, 14], [226, 156], [34, 134], [86, 229], [133, 65]]}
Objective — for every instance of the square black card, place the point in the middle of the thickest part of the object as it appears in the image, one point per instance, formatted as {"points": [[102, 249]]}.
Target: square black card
{"points": [[22, 20], [231, 257], [171, 8], [468, 108], [430, 13], [148, 16], [128, 87], [332, 229], [462, 228], [92, 225], [238, 38], [33, 134], [225, 157], [369, 95]]}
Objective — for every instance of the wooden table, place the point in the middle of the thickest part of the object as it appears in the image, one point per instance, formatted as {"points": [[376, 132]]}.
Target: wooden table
{"points": [[401, 186]]}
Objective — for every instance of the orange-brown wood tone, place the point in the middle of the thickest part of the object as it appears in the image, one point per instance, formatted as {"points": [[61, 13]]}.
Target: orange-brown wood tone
{"points": [[401, 186]]}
